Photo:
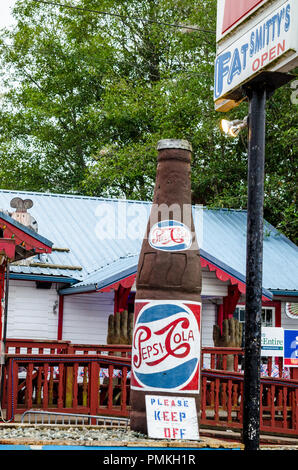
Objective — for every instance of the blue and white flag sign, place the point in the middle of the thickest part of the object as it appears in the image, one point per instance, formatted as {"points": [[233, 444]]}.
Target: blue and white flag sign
{"points": [[267, 41], [291, 348]]}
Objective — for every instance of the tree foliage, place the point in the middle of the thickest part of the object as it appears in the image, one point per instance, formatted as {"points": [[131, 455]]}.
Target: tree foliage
{"points": [[88, 96]]}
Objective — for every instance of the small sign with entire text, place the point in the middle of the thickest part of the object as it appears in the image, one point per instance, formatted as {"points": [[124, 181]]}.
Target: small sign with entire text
{"points": [[172, 417], [272, 341]]}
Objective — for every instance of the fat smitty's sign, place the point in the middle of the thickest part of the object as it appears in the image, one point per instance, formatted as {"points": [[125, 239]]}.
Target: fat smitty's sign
{"points": [[252, 36]]}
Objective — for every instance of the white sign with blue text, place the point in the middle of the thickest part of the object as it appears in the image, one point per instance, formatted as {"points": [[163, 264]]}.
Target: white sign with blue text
{"points": [[172, 417], [266, 41], [272, 341]]}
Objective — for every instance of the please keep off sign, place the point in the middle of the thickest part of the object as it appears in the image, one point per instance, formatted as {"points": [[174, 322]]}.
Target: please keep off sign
{"points": [[172, 417]]}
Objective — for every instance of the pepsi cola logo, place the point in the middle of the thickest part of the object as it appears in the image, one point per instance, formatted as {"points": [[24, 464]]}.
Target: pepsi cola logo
{"points": [[170, 235], [166, 346]]}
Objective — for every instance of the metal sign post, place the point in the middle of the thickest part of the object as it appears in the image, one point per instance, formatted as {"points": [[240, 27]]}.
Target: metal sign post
{"points": [[254, 261], [257, 45]]}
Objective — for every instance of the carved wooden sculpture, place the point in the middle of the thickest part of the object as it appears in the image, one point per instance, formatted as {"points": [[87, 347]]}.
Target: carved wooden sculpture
{"points": [[230, 337]]}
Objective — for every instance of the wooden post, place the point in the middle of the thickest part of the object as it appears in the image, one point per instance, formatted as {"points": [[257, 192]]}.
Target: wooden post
{"points": [[94, 390], [69, 387], [9, 390], [69, 382]]}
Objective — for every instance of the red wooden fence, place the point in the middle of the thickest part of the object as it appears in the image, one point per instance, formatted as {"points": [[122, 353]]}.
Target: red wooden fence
{"points": [[93, 379], [222, 402], [87, 384], [29, 346]]}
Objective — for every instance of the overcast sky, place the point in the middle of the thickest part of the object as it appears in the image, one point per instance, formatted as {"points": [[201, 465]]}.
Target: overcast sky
{"points": [[5, 17]]}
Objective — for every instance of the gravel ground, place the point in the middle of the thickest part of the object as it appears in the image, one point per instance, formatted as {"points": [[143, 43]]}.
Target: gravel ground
{"points": [[77, 434], [89, 435], [81, 435]]}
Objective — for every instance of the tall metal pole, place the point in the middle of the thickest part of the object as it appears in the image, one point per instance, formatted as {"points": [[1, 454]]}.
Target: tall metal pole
{"points": [[254, 264], [4, 332]]}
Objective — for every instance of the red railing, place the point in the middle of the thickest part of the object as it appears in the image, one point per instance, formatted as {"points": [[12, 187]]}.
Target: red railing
{"points": [[69, 383], [222, 402], [29, 346], [94, 379]]}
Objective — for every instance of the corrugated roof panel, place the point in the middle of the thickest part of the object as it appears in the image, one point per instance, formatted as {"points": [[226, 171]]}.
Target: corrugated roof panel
{"points": [[225, 238], [98, 232]]}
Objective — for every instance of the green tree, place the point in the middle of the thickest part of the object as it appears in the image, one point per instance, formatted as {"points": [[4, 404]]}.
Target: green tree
{"points": [[53, 73], [89, 96]]}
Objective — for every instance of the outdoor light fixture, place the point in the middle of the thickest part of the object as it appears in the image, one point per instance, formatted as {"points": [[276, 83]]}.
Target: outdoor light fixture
{"points": [[232, 128]]}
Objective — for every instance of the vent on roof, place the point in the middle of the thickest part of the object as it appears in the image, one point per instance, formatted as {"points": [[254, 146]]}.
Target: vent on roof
{"points": [[21, 215]]}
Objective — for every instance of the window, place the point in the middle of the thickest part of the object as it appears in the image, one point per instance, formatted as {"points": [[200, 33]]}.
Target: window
{"points": [[268, 315]]}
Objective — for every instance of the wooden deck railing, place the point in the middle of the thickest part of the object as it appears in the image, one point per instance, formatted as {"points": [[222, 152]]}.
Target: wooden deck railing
{"points": [[29, 346], [222, 402], [67, 383], [96, 380]]}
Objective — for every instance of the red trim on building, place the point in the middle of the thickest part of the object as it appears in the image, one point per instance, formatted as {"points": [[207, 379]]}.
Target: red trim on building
{"points": [[121, 298], [220, 274], [60, 317], [2, 281], [7, 248], [277, 306], [12, 237], [126, 283], [223, 276], [28, 242], [227, 308]]}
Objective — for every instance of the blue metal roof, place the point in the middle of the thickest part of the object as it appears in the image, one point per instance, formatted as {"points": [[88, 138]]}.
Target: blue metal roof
{"points": [[125, 267], [106, 276], [100, 235]]}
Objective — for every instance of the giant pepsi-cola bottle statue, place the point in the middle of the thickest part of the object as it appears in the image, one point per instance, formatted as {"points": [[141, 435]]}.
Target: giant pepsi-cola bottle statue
{"points": [[167, 338]]}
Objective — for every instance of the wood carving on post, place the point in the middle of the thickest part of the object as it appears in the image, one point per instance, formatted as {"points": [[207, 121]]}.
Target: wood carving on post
{"points": [[120, 328], [228, 331], [229, 337]]}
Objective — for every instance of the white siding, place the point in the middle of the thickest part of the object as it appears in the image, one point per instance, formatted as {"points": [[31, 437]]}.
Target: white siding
{"points": [[213, 287], [209, 315], [31, 312], [85, 319]]}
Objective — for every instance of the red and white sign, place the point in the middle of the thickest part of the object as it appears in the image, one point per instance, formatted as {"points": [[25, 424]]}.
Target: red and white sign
{"points": [[252, 36], [166, 346], [170, 235]]}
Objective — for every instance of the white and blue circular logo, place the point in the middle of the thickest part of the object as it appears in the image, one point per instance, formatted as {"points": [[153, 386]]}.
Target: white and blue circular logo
{"points": [[170, 235], [166, 346]]}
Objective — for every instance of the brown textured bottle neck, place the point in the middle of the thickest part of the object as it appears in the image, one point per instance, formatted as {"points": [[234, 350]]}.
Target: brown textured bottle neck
{"points": [[174, 154], [173, 183]]}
